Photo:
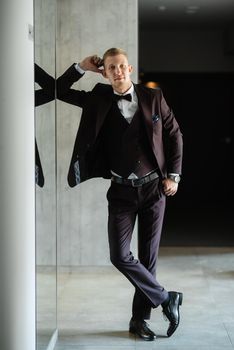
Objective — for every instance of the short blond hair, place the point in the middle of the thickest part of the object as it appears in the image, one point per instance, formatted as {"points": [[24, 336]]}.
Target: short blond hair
{"points": [[113, 52]]}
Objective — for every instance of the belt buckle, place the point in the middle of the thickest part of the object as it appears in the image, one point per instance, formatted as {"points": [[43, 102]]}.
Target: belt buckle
{"points": [[134, 182]]}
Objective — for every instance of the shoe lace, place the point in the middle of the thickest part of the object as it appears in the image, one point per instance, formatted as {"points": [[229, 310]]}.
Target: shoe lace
{"points": [[145, 324]]}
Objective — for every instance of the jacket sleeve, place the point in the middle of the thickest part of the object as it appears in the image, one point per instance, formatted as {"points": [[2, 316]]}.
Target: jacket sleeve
{"points": [[47, 84], [172, 138], [66, 93]]}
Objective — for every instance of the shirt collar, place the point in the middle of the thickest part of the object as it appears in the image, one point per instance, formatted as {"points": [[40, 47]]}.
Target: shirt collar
{"points": [[129, 91]]}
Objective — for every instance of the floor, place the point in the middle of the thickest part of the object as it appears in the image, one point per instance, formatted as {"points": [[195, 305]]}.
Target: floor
{"points": [[46, 305], [94, 304]]}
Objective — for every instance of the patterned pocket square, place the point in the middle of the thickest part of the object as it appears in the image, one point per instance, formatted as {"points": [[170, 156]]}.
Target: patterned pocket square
{"points": [[155, 118]]}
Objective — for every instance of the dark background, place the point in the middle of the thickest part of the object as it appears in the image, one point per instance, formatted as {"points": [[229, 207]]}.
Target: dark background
{"points": [[202, 212]]}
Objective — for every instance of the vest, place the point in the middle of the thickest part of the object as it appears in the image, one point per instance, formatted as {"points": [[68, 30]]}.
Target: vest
{"points": [[126, 146]]}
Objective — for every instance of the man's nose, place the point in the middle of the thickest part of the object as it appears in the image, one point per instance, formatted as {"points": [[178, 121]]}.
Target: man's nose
{"points": [[117, 70]]}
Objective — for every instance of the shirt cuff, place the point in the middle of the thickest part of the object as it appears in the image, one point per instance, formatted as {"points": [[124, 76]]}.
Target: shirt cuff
{"points": [[79, 70]]}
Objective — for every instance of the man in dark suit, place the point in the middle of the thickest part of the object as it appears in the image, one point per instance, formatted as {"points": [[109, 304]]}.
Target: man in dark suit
{"points": [[128, 134]]}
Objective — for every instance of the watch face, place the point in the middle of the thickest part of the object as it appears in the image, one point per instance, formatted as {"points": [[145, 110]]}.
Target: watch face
{"points": [[175, 178]]}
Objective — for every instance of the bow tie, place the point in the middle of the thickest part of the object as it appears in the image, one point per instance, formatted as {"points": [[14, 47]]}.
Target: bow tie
{"points": [[127, 97]]}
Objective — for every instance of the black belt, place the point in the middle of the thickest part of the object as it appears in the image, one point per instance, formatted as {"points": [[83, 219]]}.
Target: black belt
{"points": [[135, 182]]}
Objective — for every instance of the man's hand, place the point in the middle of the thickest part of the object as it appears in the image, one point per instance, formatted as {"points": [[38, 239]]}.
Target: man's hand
{"points": [[92, 63], [169, 187]]}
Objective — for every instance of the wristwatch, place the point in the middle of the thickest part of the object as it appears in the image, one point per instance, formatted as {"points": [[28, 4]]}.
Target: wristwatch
{"points": [[175, 178]]}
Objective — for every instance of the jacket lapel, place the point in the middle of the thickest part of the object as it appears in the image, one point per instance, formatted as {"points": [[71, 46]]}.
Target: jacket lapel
{"points": [[145, 104], [103, 107]]}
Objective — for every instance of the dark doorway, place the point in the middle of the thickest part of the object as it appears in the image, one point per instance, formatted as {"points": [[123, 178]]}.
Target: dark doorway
{"points": [[202, 211]]}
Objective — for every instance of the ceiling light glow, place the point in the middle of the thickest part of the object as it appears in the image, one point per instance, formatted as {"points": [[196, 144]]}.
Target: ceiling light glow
{"points": [[162, 8], [192, 9]]}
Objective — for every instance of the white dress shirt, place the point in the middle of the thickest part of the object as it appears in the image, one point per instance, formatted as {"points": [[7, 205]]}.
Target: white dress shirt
{"points": [[128, 108]]}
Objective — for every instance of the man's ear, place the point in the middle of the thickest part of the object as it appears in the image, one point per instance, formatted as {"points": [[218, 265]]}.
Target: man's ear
{"points": [[130, 68]]}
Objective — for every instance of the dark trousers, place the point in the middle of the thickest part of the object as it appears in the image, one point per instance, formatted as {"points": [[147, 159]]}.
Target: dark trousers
{"points": [[146, 202]]}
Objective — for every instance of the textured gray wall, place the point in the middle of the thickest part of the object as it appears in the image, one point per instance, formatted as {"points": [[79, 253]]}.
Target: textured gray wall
{"points": [[86, 27], [45, 17], [46, 278]]}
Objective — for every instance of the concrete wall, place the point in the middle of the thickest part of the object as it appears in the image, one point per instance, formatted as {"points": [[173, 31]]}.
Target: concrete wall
{"points": [[17, 177], [45, 121], [45, 24], [184, 51], [86, 27]]}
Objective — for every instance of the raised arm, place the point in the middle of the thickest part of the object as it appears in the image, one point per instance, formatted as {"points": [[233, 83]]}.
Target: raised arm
{"points": [[73, 74]]}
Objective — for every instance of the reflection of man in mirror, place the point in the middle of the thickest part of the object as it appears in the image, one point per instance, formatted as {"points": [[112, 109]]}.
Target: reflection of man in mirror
{"points": [[129, 134], [45, 94]]}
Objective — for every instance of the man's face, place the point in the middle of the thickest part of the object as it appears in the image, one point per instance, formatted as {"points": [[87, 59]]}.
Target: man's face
{"points": [[117, 70]]}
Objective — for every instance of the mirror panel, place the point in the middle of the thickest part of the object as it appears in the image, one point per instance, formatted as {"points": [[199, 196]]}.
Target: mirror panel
{"points": [[46, 257]]}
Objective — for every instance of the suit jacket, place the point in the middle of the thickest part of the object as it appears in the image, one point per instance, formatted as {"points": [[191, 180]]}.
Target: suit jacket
{"points": [[88, 158]]}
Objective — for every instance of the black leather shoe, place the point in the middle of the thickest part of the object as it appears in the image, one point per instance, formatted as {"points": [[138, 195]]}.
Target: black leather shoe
{"points": [[141, 329], [172, 312]]}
